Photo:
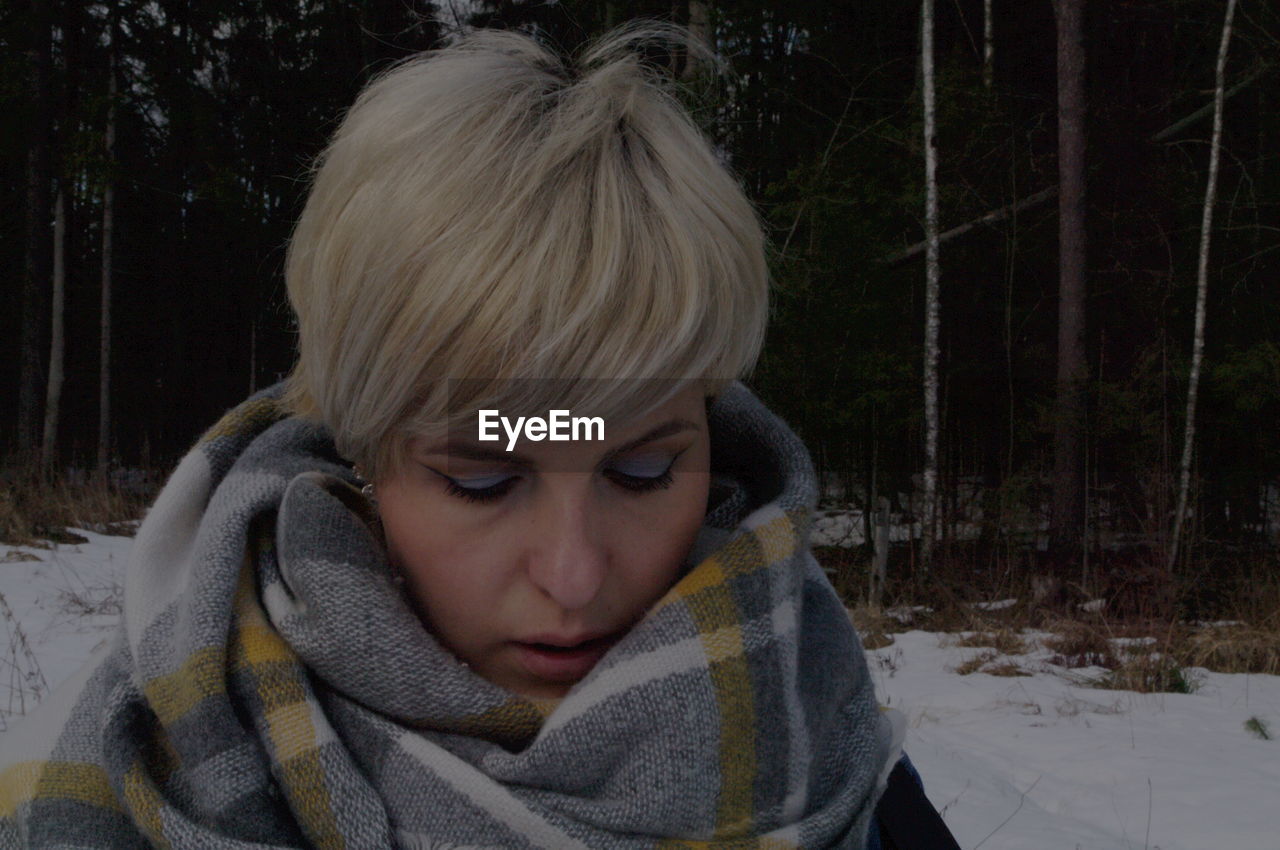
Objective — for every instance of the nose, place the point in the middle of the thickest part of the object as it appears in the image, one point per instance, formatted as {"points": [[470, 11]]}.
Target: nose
{"points": [[568, 559]]}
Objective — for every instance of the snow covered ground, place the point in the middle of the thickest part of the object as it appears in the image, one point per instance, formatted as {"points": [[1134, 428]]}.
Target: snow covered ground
{"points": [[64, 600], [1040, 761], [1037, 762]]}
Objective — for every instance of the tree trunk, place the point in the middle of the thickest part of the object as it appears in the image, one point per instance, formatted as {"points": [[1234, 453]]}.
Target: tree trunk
{"points": [[108, 228], [57, 343], [1202, 286], [253, 357], [63, 207], [1067, 520], [36, 260], [932, 310], [700, 28], [988, 46], [880, 548]]}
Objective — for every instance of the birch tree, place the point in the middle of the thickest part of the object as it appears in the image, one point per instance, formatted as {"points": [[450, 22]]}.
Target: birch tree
{"points": [[1202, 286], [57, 338], [988, 46], [932, 310], [71, 47], [108, 232]]}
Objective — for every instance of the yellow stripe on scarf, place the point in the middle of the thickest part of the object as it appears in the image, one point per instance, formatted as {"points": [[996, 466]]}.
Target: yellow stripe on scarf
{"points": [[244, 419], [764, 842], [202, 675], [65, 780], [777, 538], [706, 593], [258, 648], [717, 618], [511, 724], [144, 805]]}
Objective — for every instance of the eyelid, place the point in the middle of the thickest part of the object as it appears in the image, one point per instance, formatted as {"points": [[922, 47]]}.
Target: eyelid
{"points": [[652, 465], [668, 460], [480, 482]]}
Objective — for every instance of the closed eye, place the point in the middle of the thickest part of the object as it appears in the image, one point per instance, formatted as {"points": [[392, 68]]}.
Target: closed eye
{"points": [[484, 488], [642, 474]]}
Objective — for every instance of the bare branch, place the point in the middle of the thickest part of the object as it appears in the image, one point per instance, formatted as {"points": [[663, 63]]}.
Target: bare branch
{"points": [[987, 218]]}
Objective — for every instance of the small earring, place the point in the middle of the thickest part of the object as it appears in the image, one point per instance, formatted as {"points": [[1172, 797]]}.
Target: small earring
{"points": [[366, 488]]}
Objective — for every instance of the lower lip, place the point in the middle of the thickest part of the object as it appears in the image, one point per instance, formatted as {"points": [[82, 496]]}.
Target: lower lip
{"points": [[562, 665]]}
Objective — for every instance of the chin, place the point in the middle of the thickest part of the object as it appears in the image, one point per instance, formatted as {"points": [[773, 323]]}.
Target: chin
{"points": [[543, 690]]}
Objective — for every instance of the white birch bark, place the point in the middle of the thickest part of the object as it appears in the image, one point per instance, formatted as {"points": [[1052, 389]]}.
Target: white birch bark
{"points": [[57, 335], [933, 319], [988, 45], [1202, 287]]}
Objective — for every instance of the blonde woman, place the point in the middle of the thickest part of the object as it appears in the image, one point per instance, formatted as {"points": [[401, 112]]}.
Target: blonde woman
{"points": [[352, 620]]}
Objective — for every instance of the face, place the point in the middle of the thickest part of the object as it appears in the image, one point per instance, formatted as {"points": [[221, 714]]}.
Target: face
{"points": [[528, 572]]}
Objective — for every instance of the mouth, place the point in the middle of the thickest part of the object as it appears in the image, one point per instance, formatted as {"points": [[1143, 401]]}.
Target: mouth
{"points": [[557, 659]]}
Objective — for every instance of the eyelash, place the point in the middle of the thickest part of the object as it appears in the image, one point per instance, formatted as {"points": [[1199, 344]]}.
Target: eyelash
{"points": [[630, 483], [482, 494]]}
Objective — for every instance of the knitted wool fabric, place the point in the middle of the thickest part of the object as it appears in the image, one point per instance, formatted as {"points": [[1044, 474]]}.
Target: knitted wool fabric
{"points": [[270, 686]]}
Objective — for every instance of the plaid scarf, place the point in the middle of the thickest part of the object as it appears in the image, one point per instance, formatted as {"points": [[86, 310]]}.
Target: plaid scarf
{"points": [[270, 686]]}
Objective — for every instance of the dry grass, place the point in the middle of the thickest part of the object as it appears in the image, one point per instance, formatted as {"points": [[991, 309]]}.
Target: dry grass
{"points": [[20, 672], [1150, 673], [1158, 663], [868, 618], [102, 600], [974, 664], [1077, 645], [874, 626], [1144, 666], [1233, 649], [1163, 639], [1004, 641], [35, 508], [990, 662], [876, 640]]}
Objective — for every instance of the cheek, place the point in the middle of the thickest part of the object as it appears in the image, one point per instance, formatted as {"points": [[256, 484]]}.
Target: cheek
{"points": [[441, 557], [659, 541]]}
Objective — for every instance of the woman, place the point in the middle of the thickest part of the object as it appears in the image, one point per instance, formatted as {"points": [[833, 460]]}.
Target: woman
{"points": [[351, 622]]}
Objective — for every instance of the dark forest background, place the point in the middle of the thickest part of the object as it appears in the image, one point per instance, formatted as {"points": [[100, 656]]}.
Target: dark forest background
{"points": [[216, 109]]}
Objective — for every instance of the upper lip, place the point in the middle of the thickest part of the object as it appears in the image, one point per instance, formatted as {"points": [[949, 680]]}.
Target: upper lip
{"points": [[567, 641]]}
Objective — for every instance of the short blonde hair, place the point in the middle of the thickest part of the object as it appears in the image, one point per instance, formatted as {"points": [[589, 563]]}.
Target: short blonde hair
{"points": [[492, 212]]}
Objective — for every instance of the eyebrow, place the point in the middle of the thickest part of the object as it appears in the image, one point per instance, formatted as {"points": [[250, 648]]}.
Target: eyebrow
{"points": [[666, 429], [472, 451]]}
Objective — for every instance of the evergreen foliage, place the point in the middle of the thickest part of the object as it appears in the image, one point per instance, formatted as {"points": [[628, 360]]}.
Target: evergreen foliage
{"points": [[225, 103]]}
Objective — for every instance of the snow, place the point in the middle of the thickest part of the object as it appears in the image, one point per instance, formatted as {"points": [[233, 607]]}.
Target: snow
{"points": [[906, 613], [66, 601], [995, 605], [844, 527], [1042, 761]]}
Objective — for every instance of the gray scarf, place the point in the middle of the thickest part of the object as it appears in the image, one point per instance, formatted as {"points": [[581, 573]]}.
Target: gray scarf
{"points": [[270, 685]]}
